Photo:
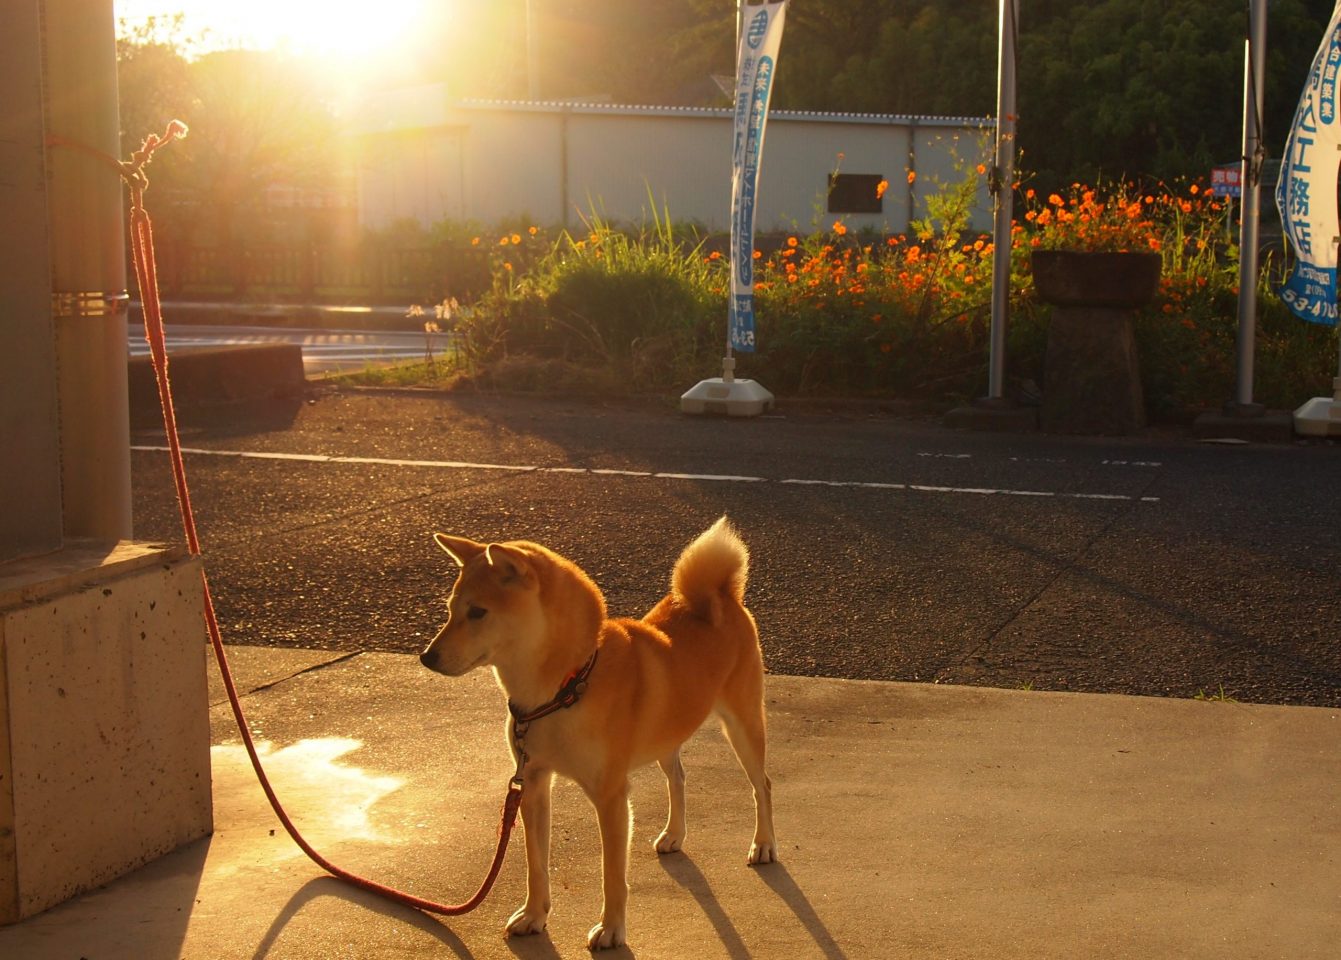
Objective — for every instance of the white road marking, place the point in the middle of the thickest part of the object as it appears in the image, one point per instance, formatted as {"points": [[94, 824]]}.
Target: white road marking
{"points": [[728, 478], [707, 476]]}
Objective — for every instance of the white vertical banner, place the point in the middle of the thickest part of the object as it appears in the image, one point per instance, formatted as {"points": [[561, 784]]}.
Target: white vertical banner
{"points": [[756, 61], [1306, 192]]}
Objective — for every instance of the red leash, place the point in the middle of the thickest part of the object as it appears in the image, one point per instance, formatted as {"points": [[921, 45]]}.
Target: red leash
{"points": [[142, 246]]}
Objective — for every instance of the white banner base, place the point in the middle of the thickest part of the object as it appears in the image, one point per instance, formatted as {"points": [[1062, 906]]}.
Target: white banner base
{"points": [[1321, 416], [732, 398]]}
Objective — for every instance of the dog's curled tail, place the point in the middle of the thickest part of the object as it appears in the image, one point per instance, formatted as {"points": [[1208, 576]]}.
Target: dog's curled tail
{"points": [[714, 567]]}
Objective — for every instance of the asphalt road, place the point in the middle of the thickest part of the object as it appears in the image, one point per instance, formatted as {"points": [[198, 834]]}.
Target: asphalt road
{"points": [[883, 547]]}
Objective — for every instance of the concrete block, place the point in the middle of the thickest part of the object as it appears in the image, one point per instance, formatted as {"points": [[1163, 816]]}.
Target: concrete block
{"points": [[252, 371], [994, 418], [104, 723], [1270, 426]]}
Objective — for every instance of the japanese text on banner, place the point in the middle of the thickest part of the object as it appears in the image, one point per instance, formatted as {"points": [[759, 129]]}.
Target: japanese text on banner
{"points": [[756, 60], [1306, 193]]}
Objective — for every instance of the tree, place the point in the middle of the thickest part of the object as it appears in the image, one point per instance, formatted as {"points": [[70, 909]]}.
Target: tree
{"points": [[1112, 87], [259, 123], [155, 86], [256, 120]]}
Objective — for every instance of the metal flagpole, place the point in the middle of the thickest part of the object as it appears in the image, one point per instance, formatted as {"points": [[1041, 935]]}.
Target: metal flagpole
{"points": [[1003, 190], [1254, 153], [996, 411], [729, 360]]}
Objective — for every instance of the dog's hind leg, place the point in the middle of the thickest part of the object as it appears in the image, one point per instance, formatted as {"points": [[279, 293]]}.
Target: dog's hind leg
{"points": [[744, 727], [672, 838], [532, 916]]}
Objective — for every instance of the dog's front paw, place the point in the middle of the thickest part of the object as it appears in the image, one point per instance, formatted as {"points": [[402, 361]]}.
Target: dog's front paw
{"points": [[526, 922], [669, 842], [603, 936], [761, 853]]}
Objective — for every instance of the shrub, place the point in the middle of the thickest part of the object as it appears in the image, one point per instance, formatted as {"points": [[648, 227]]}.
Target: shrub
{"points": [[895, 316], [638, 304]]}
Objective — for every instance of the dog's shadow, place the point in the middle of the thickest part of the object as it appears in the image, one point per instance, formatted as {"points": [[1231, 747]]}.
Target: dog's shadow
{"points": [[540, 947], [330, 887], [686, 873]]}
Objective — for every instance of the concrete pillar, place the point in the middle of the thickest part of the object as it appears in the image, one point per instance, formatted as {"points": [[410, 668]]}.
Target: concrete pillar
{"points": [[27, 343], [87, 243]]}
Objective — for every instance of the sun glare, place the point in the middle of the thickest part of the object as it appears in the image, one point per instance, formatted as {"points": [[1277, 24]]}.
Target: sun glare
{"points": [[325, 28]]}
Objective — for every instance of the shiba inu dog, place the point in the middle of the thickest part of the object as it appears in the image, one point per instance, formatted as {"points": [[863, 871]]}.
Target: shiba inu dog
{"points": [[591, 698]]}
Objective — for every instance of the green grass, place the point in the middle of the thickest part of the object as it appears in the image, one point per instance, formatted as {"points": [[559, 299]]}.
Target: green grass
{"points": [[1218, 697], [442, 373]]}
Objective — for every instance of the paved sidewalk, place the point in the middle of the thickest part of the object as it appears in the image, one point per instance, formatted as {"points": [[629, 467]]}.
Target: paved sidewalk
{"points": [[915, 821]]}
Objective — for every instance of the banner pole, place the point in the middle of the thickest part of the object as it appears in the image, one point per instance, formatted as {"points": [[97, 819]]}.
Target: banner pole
{"points": [[1250, 179], [1003, 189], [728, 360], [759, 26]]}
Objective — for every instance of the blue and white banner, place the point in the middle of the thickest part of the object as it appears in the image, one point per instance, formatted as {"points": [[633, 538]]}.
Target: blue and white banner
{"points": [[1306, 193], [756, 61]]}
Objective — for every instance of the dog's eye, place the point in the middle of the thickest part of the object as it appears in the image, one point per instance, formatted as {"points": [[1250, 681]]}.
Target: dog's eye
{"points": [[476, 613]]}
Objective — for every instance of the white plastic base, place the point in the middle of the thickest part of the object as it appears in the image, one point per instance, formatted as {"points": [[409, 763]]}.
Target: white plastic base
{"points": [[1319, 417], [734, 398]]}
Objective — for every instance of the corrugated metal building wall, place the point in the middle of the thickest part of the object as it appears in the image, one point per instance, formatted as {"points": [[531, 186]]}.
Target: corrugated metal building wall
{"points": [[425, 158]]}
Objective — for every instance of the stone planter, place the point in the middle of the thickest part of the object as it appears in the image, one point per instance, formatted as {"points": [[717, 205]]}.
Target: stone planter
{"points": [[1079, 278], [1092, 376]]}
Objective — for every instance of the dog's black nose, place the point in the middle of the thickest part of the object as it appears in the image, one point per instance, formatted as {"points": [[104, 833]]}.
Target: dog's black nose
{"points": [[427, 659]]}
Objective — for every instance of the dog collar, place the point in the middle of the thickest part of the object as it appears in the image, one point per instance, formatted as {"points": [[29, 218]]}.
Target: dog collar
{"points": [[569, 694]]}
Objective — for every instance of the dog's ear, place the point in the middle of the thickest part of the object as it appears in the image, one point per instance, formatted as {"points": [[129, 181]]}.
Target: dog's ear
{"points": [[459, 549], [510, 562]]}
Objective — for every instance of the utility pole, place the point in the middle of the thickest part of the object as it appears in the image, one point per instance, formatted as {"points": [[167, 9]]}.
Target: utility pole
{"points": [[89, 300], [532, 52]]}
